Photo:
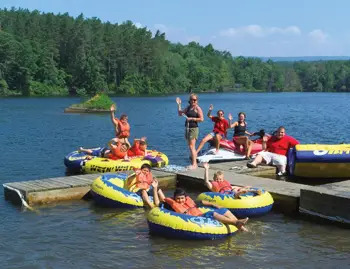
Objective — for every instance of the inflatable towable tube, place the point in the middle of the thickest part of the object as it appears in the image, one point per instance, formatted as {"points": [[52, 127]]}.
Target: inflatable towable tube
{"points": [[78, 162], [249, 204], [168, 223], [320, 161], [112, 190]]}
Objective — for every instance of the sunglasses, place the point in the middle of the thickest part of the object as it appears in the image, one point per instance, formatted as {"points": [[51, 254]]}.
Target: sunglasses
{"points": [[194, 100]]}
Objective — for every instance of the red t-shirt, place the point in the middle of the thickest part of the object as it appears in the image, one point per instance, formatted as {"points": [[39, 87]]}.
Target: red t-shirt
{"points": [[220, 125], [281, 146]]}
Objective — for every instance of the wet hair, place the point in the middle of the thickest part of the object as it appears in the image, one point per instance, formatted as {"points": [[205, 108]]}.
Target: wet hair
{"points": [[221, 111], [123, 116], [218, 173], [146, 165], [179, 192], [242, 113]]}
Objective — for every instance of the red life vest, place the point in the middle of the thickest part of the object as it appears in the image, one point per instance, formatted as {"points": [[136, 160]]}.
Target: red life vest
{"points": [[124, 129], [143, 181], [221, 186], [189, 207]]}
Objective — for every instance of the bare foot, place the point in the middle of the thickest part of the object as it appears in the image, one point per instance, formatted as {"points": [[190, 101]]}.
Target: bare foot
{"points": [[243, 229], [241, 222], [216, 152]]}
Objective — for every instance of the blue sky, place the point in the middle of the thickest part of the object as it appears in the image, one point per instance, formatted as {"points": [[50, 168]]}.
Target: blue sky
{"points": [[245, 27]]}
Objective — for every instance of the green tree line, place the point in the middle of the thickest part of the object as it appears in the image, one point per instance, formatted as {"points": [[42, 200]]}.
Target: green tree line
{"points": [[43, 54]]}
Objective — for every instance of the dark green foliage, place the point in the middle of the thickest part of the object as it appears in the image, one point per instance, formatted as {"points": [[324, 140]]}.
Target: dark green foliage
{"points": [[47, 54], [99, 101]]}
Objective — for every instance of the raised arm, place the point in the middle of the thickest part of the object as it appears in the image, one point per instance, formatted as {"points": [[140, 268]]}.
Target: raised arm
{"points": [[155, 192], [206, 176], [230, 124], [114, 119], [209, 111], [179, 109]]}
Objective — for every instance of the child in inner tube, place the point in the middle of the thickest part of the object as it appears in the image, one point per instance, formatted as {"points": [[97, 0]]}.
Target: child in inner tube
{"points": [[182, 199], [219, 184], [145, 183], [116, 150]]}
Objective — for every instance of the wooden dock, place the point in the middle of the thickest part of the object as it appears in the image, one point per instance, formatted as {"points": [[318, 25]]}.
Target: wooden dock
{"points": [[329, 201], [51, 190]]}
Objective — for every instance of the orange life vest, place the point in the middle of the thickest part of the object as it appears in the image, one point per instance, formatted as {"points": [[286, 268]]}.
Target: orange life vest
{"points": [[143, 181], [135, 150], [189, 207], [117, 153], [221, 186], [124, 129]]}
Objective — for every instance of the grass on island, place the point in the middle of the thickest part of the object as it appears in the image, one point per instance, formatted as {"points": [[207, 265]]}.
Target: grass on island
{"points": [[100, 101]]}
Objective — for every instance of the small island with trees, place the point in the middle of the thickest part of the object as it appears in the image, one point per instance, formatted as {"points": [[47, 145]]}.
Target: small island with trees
{"points": [[97, 104]]}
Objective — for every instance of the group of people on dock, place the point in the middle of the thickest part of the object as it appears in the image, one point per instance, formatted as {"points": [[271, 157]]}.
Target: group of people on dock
{"points": [[274, 148]]}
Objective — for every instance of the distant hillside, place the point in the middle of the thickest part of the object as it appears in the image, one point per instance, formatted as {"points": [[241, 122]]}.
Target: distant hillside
{"points": [[306, 58]]}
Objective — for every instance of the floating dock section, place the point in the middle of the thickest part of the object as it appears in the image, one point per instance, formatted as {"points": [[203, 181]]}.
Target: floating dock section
{"points": [[329, 201]]}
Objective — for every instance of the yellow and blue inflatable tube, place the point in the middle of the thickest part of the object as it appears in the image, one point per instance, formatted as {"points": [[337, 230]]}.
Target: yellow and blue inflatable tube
{"points": [[250, 204], [77, 162], [111, 190], [170, 224], [320, 161]]}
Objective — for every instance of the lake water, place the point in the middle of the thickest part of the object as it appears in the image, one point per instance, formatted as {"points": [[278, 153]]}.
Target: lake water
{"points": [[35, 135]]}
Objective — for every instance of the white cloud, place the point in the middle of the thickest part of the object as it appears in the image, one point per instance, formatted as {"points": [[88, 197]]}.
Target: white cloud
{"points": [[318, 36], [138, 25], [175, 34], [259, 31]]}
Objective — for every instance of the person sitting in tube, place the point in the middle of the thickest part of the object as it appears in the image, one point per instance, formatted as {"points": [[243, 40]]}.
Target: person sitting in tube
{"points": [[144, 184], [182, 203], [139, 148], [122, 127], [115, 151], [275, 151], [219, 184], [219, 131]]}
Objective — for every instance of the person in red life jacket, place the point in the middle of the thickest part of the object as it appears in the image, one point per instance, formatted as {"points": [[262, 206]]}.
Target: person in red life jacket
{"points": [[219, 184], [122, 127], [219, 131], [144, 182], [181, 203], [118, 150], [276, 148], [139, 148], [240, 132], [193, 114]]}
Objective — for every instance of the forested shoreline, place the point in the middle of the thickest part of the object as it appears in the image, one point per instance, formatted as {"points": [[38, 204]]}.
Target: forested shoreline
{"points": [[43, 54]]}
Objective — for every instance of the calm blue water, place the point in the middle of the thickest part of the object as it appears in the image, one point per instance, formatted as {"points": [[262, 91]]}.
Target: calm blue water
{"points": [[35, 135]]}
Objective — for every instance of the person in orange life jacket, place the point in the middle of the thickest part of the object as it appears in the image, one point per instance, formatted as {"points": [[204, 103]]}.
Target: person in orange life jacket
{"points": [[193, 114], [240, 132], [219, 184], [118, 150], [275, 151], [144, 181], [181, 203], [219, 131], [139, 148], [122, 127]]}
